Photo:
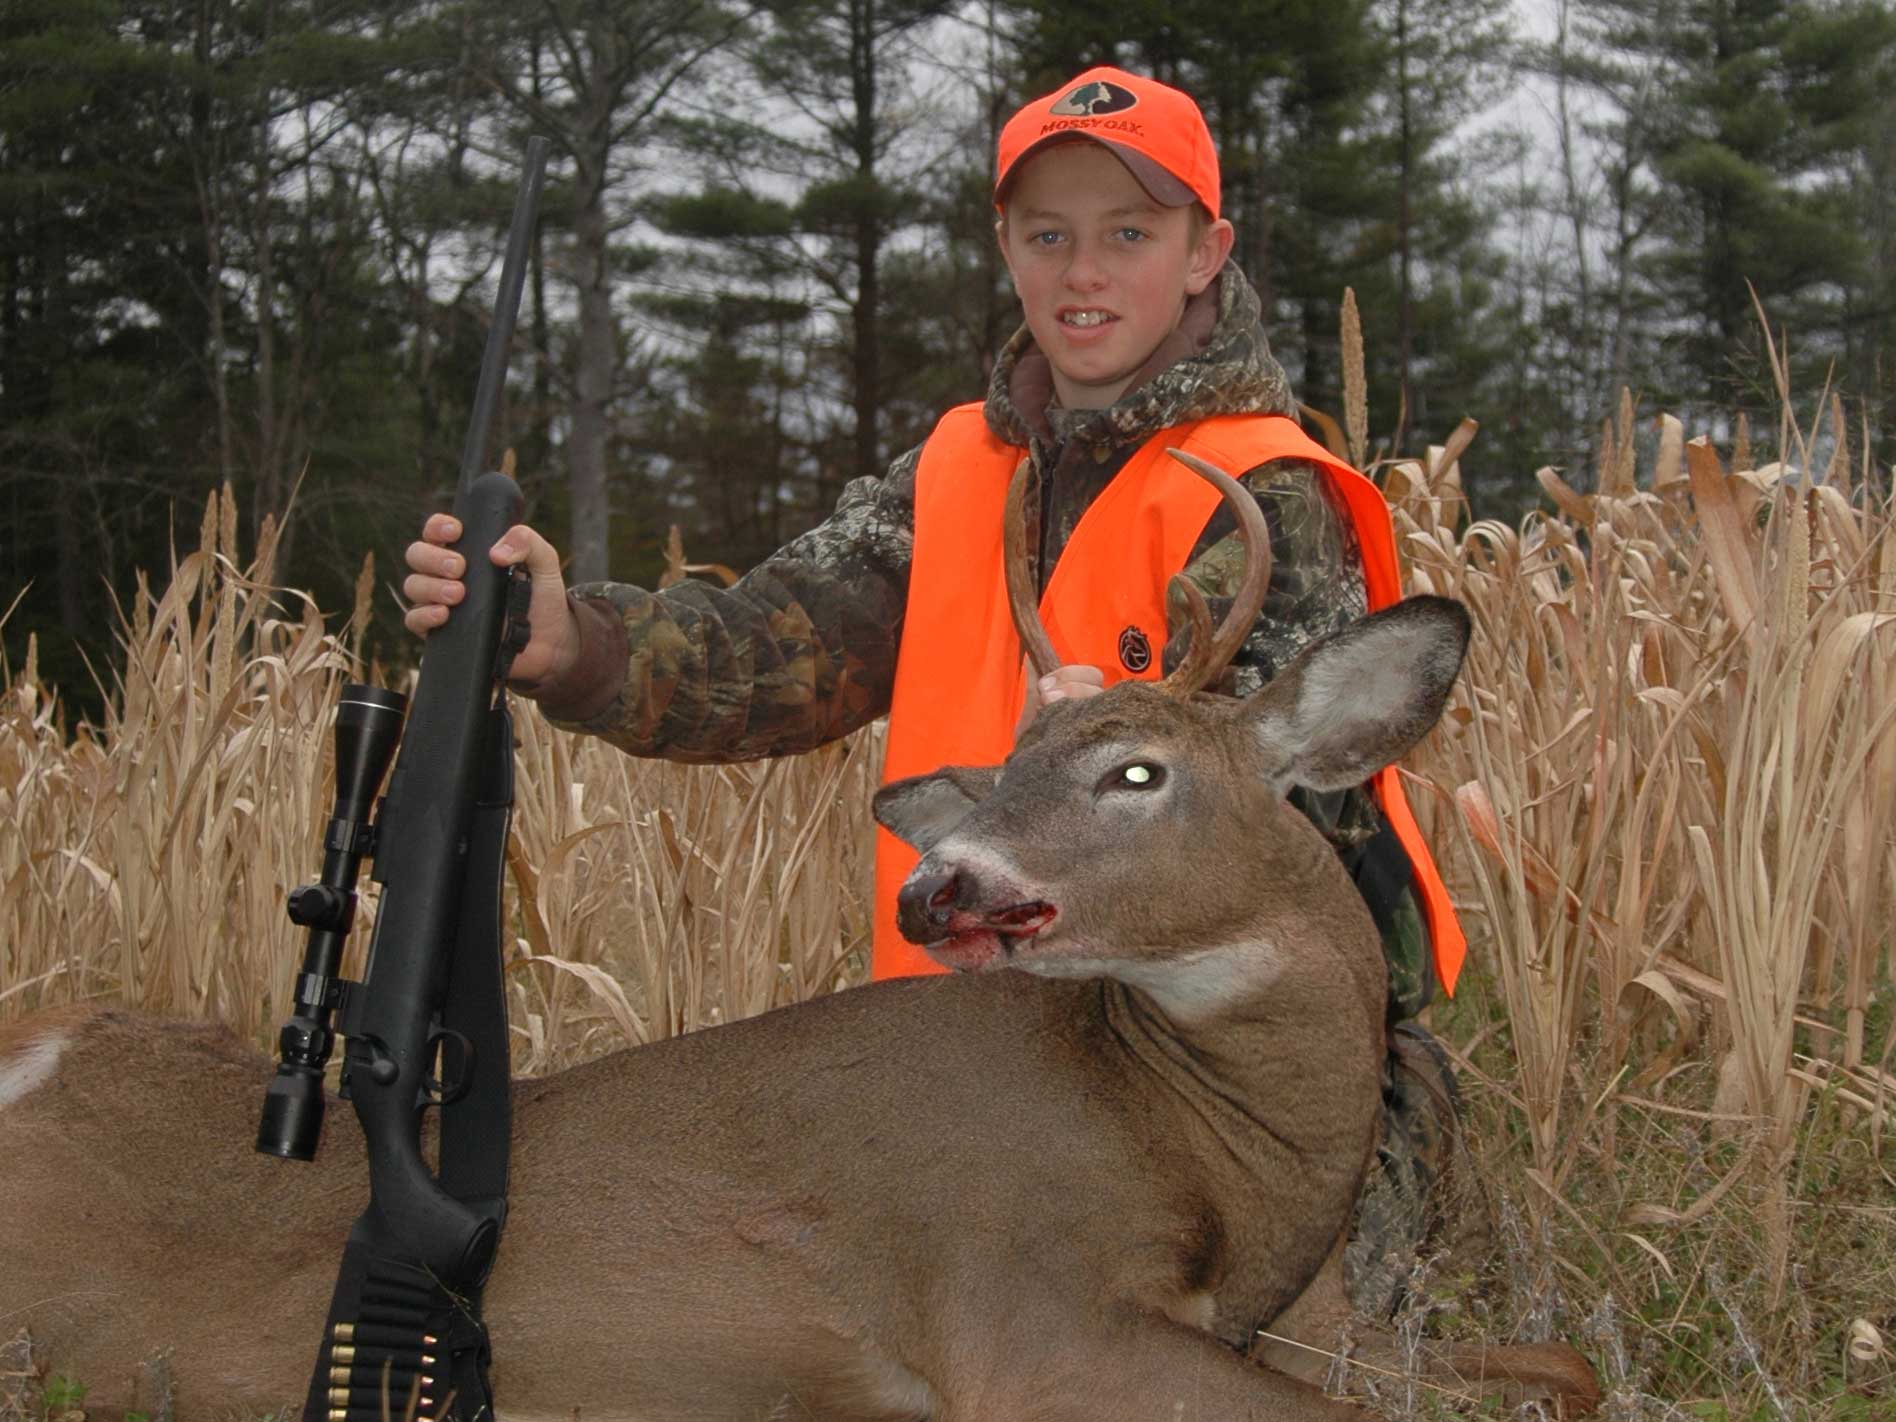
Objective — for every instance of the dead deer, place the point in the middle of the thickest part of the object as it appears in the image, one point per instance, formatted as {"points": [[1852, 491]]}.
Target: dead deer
{"points": [[1075, 1190]]}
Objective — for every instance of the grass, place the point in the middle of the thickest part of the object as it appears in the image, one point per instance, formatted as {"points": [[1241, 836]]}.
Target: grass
{"points": [[1663, 797]]}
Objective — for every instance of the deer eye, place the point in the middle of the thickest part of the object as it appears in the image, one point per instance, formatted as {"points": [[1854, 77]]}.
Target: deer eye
{"points": [[1140, 775]]}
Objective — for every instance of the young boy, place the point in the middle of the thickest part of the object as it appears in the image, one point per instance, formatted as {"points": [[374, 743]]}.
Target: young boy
{"points": [[1137, 335]]}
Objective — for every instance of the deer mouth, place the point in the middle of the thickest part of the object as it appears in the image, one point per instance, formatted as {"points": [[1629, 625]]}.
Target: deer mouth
{"points": [[980, 942]]}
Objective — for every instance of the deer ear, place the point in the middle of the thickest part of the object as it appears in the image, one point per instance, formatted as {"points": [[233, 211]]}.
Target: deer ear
{"points": [[1355, 701], [923, 808]]}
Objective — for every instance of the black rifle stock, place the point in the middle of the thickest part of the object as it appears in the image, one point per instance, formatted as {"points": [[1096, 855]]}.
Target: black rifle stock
{"points": [[426, 1026]]}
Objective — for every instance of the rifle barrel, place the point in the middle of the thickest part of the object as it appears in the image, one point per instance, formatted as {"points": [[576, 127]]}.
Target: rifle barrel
{"points": [[513, 275]]}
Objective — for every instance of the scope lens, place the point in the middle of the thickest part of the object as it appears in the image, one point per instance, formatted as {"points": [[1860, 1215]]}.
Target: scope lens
{"points": [[292, 1123], [368, 725]]}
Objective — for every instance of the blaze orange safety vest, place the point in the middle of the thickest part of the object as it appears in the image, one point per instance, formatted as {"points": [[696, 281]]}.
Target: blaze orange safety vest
{"points": [[959, 683]]}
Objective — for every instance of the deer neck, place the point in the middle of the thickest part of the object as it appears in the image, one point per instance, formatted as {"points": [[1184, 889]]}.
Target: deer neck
{"points": [[1232, 1031]]}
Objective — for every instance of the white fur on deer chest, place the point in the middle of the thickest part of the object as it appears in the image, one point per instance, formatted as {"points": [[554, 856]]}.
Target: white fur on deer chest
{"points": [[1191, 989]]}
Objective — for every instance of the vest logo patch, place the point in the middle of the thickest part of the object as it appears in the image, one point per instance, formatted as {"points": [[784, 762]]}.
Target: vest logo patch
{"points": [[1135, 650], [1098, 97]]}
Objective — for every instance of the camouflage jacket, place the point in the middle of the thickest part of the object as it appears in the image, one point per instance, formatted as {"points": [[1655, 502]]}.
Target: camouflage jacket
{"points": [[802, 650]]}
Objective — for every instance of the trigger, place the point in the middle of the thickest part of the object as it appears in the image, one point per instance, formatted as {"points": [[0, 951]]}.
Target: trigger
{"points": [[515, 631]]}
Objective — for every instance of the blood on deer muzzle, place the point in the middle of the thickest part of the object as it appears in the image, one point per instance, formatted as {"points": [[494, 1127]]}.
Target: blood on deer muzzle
{"points": [[946, 902]]}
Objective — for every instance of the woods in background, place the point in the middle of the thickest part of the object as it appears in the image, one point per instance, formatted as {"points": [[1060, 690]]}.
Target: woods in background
{"points": [[254, 240]]}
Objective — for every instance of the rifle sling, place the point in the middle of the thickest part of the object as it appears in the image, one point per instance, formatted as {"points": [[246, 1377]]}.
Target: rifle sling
{"points": [[476, 1127]]}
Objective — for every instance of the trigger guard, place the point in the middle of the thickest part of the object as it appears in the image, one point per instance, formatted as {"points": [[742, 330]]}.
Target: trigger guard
{"points": [[443, 1093]]}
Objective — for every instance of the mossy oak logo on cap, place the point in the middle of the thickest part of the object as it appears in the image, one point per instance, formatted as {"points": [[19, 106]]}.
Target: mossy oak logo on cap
{"points": [[1091, 99], [1135, 650]]}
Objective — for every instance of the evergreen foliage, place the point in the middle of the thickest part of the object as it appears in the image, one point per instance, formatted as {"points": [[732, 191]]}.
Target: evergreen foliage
{"points": [[254, 241]]}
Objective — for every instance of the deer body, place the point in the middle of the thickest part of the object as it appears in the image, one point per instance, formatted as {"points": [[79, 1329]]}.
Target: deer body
{"points": [[787, 1216], [1105, 1178]]}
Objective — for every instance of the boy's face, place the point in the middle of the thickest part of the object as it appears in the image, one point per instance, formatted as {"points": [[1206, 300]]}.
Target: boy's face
{"points": [[1101, 269]]}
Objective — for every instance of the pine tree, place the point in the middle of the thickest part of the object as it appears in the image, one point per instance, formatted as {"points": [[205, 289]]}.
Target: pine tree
{"points": [[1444, 56], [816, 162], [1750, 145], [734, 429], [190, 290], [593, 77]]}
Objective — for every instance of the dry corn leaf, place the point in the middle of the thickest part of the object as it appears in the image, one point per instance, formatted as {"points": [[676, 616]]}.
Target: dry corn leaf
{"points": [[1575, 505], [602, 984], [1332, 432], [1669, 467], [1684, 1018], [1575, 648], [1542, 879], [1732, 1098], [1841, 528], [1837, 475], [527, 887], [674, 559], [1713, 990], [1839, 657], [1879, 1115], [1400, 480], [1724, 536], [553, 859], [1444, 461]]}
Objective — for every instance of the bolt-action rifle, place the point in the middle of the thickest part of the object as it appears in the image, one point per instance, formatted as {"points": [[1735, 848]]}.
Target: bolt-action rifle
{"points": [[427, 1025]]}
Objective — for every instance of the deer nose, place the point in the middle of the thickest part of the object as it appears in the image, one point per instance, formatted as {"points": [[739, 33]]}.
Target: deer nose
{"points": [[926, 903]]}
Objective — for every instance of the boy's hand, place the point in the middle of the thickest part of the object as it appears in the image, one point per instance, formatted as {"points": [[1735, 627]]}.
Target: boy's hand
{"points": [[1069, 683], [433, 587]]}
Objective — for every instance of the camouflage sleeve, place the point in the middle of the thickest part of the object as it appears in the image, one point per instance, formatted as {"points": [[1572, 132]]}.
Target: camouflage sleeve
{"points": [[798, 652]]}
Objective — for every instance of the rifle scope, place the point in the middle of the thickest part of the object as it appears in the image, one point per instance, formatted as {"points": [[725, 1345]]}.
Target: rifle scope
{"points": [[368, 725]]}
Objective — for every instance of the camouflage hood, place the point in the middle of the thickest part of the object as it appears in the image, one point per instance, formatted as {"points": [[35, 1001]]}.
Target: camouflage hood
{"points": [[1218, 362]]}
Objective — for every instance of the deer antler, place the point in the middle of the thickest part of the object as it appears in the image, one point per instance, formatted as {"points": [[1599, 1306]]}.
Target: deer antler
{"points": [[1021, 597], [1208, 653]]}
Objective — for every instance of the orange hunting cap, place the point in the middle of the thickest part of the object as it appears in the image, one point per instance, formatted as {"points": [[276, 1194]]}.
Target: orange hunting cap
{"points": [[1154, 129]]}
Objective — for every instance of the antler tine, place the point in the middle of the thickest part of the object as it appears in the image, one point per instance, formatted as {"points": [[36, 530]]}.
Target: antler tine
{"points": [[1210, 653], [1022, 600]]}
